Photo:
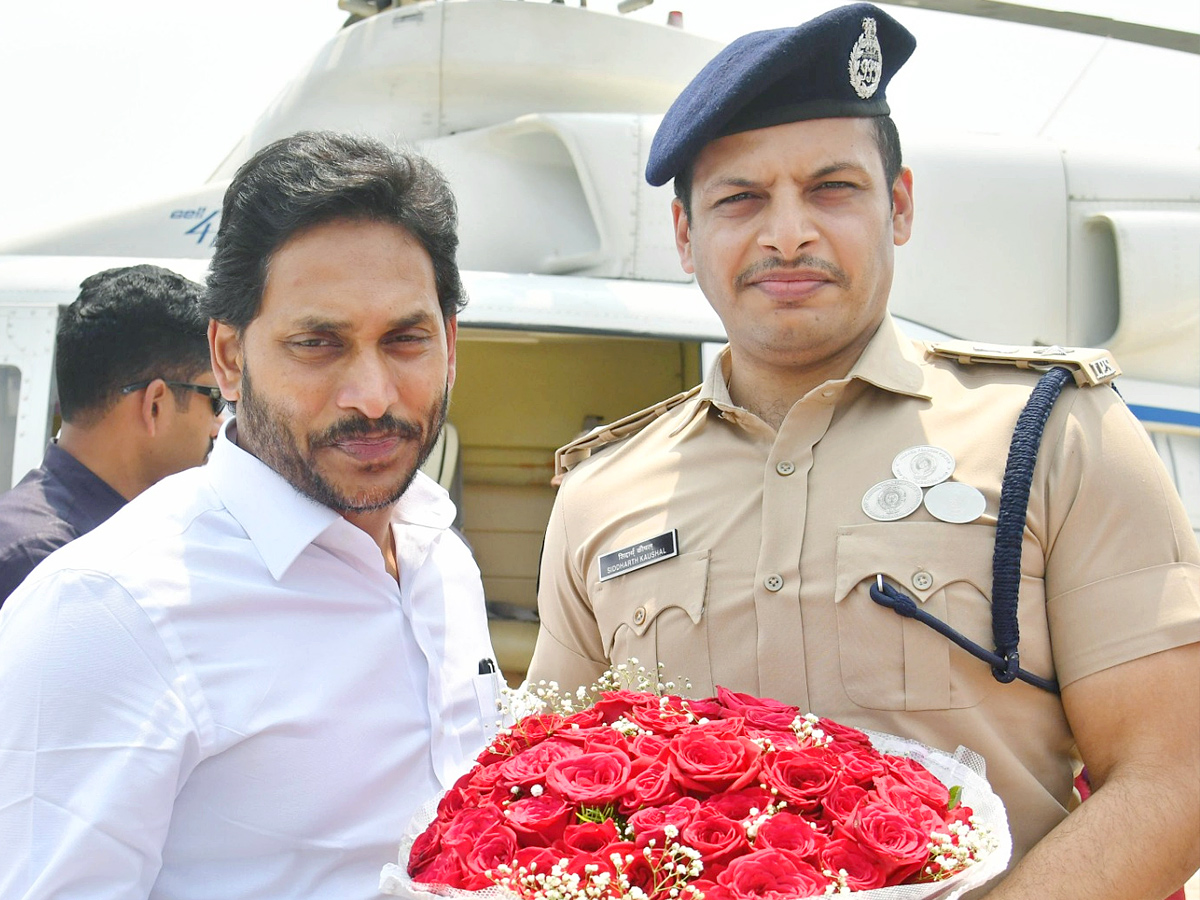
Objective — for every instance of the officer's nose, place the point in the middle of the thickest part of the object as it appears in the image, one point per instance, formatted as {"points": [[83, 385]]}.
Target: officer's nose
{"points": [[788, 226]]}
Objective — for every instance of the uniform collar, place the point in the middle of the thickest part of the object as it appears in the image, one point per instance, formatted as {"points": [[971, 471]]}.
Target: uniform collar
{"points": [[281, 522], [892, 363], [889, 362]]}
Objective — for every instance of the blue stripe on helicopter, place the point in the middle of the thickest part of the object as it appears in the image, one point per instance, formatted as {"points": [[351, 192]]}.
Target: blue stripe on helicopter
{"points": [[1167, 416]]}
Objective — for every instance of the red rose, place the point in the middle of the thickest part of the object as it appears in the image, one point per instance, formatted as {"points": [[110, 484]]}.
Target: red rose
{"points": [[780, 740], [585, 718], [904, 799], [495, 848], [651, 785], [925, 783], [650, 746], [861, 765], [741, 704], [961, 814], [445, 868], [864, 872], [709, 708], [470, 825], [538, 821], [536, 859], [889, 834], [591, 778], [454, 799], [707, 758], [427, 845], [615, 704], [622, 854], [580, 736], [531, 766], [669, 719], [773, 719], [788, 831], [642, 870], [710, 889], [739, 805], [771, 875], [844, 737], [580, 863], [803, 777], [481, 784], [650, 823], [604, 738], [716, 838], [841, 801], [589, 837], [529, 732]]}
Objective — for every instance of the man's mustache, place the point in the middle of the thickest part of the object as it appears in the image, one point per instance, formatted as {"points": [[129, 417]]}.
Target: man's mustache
{"points": [[360, 426], [804, 261]]}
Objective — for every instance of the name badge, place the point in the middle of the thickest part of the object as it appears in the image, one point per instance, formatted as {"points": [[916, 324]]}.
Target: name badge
{"points": [[639, 555]]}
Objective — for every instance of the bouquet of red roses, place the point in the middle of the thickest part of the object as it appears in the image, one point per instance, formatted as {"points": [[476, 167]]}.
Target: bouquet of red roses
{"points": [[644, 795]]}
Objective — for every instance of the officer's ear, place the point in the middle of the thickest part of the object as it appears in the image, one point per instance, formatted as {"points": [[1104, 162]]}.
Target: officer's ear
{"points": [[902, 207], [683, 236], [226, 350]]}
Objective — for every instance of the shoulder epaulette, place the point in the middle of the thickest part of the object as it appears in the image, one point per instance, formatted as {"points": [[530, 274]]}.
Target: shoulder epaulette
{"points": [[1089, 366], [570, 455]]}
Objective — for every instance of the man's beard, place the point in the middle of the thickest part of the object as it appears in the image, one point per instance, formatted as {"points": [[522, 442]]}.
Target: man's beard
{"points": [[264, 432]]}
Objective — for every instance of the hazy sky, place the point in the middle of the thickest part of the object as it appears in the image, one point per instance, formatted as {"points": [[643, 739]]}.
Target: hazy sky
{"points": [[105, 105]]}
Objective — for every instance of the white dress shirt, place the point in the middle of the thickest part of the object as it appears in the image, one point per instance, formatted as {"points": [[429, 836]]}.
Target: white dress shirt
{"points": [[222, 693]]}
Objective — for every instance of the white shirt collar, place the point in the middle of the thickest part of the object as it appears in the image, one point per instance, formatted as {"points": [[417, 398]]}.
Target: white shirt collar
{"points": [[280, 521]]}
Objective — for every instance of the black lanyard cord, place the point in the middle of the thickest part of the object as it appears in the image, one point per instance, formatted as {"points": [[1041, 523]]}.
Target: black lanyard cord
{"points": [[1006, 558]]}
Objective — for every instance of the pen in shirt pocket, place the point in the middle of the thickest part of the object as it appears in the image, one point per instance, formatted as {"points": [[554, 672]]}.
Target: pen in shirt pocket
{"points": [[487, 666]]}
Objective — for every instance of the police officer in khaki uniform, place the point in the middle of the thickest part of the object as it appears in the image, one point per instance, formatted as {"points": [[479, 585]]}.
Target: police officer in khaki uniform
{"points": [[737, 533]]}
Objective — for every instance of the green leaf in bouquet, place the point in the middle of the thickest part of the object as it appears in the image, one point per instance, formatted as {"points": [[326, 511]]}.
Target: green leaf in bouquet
{"points": [[596, 814]]}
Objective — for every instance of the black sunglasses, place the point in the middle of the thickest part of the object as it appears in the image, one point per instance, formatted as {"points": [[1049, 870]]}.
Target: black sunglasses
{"points": [[212, 393]]}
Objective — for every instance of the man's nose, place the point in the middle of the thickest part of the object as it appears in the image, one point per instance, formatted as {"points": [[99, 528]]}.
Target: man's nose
{"points": [[788, 226], [368, 385]]}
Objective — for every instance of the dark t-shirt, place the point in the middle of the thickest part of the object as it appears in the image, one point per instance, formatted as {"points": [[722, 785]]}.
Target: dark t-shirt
{"points": [[51, 506]]}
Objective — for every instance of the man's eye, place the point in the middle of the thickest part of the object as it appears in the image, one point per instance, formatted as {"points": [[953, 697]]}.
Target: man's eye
{"points": [[735, 198], [836, 185], [312, 343]]}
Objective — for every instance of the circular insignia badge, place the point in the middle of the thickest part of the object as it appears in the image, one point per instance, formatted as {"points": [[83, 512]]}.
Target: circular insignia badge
{"points": [[926, 465], [866, 61], [891, 500], [953, 501]]}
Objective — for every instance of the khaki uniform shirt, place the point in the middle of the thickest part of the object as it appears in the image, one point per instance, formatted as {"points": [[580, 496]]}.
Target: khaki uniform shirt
{"points": [[769, 592]]}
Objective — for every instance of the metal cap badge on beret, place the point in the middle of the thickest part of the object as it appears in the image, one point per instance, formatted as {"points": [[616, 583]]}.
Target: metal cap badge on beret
{"points": [[836, 65]]}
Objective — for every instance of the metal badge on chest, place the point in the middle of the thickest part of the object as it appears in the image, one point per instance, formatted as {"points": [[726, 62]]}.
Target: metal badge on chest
{"points": [[922, 477]]}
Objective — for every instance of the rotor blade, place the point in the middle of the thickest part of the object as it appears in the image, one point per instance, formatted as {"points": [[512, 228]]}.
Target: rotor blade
{"points": [[1082, 23]]}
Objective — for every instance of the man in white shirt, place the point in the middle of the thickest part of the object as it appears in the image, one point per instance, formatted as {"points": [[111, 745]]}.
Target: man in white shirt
{"points": [[243, 684]]}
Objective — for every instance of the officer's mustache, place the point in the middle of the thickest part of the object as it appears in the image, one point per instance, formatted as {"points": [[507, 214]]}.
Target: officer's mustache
{"points": [[804, 261], [385, 426]]}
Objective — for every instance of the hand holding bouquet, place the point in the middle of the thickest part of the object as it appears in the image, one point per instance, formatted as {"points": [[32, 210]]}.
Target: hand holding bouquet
{"points": [[629, 792]]}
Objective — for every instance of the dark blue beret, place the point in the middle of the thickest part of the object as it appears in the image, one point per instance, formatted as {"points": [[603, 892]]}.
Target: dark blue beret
{"points": [[836, 65]]}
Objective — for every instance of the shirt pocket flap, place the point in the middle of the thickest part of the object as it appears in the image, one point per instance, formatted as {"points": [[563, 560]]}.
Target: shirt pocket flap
{"points": [[635, 600], [919, 558]]}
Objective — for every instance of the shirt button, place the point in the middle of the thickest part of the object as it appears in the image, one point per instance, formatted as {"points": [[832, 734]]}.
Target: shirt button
{"points": [[785, 468], [773, 583], [639, 615], [922, 581]]}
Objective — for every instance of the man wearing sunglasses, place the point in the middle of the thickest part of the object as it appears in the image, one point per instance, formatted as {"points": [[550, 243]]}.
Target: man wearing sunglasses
{"points": [[131, 353]]}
